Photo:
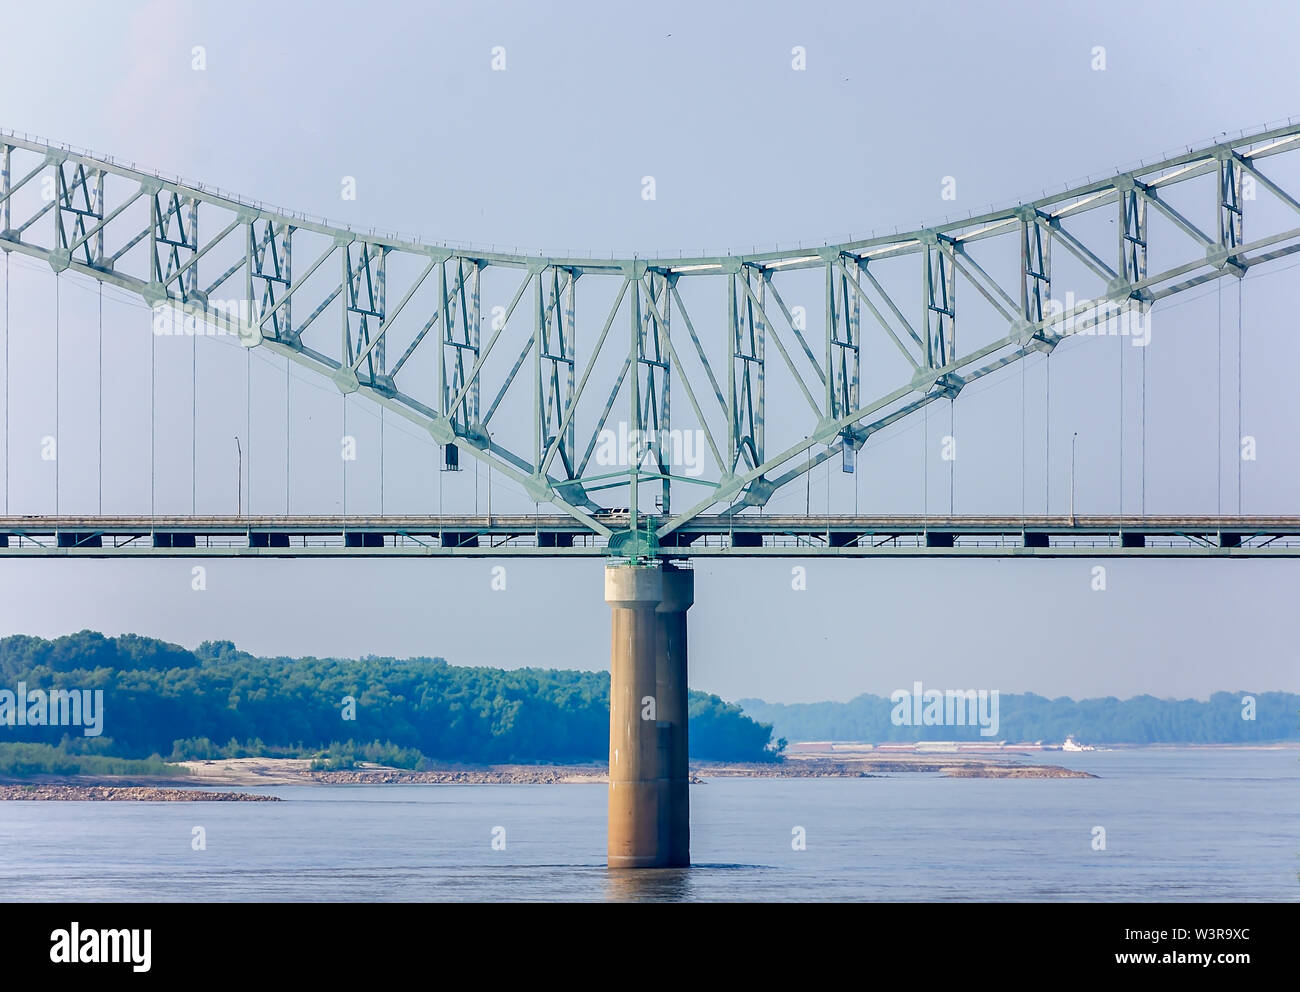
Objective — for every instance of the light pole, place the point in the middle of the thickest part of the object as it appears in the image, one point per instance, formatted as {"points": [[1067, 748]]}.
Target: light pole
{"points": [[1074, 441], [239, 479]]}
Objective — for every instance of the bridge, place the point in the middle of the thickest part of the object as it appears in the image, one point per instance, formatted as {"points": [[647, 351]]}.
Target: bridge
{"points": [[579, 413], [557, 536]]}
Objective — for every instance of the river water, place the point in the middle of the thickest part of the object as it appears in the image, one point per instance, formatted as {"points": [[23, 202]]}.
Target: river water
{"points": [[1180, 824]]}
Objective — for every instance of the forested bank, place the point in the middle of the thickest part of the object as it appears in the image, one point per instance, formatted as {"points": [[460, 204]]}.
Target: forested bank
{"points": [[160, 699]]}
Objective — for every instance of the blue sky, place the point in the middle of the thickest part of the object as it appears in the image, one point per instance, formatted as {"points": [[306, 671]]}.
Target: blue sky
{"points": [[549, 155]]}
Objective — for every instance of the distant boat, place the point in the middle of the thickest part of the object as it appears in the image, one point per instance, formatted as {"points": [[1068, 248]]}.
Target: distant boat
{"points": [[1072, 745]]}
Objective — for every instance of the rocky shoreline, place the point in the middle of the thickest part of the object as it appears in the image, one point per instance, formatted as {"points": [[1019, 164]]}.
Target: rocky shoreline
{"points": [[1021, 771], [877, 767], [265, 772], [700, 772], [125, 793], [492, 775]]}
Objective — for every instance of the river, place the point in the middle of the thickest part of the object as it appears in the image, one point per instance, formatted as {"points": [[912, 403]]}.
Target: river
{"points": [[1180, 824]]}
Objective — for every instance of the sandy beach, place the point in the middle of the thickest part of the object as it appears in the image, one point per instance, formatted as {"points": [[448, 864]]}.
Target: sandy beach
{"points": [[232, 773], [291, 771]]}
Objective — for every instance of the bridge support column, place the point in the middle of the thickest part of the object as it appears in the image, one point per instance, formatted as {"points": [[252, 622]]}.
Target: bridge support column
{"points": [[649, 812], [670, 682]]}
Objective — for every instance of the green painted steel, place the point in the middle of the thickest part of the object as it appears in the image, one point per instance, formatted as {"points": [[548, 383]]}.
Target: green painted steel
{"points": [[556, 535], [140, 231]]}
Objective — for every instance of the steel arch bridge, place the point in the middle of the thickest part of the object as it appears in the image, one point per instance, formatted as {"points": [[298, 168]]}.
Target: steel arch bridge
{"points": [[409, 333], [400, 322]]}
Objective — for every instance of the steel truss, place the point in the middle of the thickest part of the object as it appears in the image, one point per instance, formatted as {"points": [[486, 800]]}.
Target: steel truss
{"points": [[142, 232]]}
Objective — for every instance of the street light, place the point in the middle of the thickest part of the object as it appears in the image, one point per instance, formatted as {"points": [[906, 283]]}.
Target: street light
{"points": [[1074, 441], [239, 479]]}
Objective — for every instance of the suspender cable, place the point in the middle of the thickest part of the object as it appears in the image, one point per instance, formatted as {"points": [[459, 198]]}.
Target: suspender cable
{"points": [[1218, 383], [194, 425], [153, 338], [1241, 303], [1120, 342], [1047, 444], [286, 436], [1024, 359], [1142, 477], [248, 426], [99, 392], [57, 439], [344, 397], [6, 384]]}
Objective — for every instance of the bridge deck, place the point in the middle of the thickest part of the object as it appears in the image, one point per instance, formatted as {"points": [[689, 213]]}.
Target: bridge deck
{"points": [[707, 536]]}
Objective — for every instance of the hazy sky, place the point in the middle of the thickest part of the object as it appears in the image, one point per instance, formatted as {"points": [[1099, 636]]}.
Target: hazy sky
{"points": [[550, 155]]}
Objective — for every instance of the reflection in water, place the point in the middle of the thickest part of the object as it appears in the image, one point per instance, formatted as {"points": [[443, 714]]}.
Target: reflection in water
{"points": [[647, 884]]}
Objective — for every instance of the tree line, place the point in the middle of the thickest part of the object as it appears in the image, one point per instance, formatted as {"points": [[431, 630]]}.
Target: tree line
{"points": [[161, 699], [1225, 718]]}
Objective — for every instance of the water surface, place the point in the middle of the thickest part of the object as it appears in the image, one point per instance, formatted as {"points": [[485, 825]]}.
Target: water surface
{"points": [[1181, 824]]}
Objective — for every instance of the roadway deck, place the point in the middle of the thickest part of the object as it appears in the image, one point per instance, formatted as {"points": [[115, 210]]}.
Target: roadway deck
{"points": [[706, 536]]}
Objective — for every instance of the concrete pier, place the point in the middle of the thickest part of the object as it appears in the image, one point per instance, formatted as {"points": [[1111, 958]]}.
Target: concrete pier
{"points": [[649, 805], [670, 683]]}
